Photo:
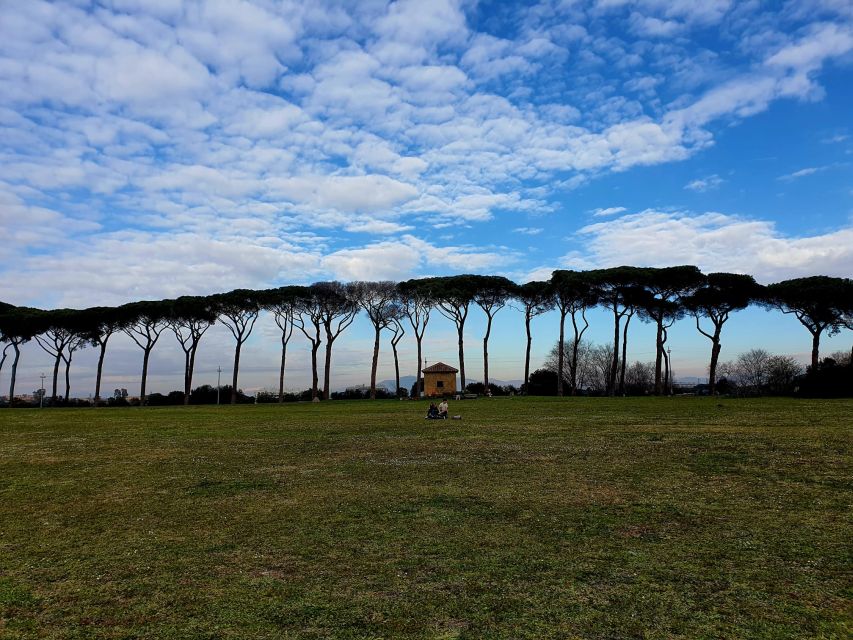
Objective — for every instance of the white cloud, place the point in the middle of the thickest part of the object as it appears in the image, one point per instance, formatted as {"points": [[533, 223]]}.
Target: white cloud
{"points": [[344, 193], [241, 40], [802, 173], [716, 242], [489, 57], [25, 226], [825, 41], [529, 231], [429, 24], [707, 183], [456, 258], [655, 27], [609, 211], [382, 261], [403, 258], [131, 265], [257, 121], [689, 12]]}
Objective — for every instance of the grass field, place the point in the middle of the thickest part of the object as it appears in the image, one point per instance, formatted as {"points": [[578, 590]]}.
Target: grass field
{"points": [[530, 518]]}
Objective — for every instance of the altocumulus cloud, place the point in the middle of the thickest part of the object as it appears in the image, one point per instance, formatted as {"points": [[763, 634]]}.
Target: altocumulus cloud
{"points": [[161, 148]]}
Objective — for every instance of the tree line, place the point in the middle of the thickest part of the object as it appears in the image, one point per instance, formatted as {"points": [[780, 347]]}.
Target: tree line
{"points": [[323, 310]]}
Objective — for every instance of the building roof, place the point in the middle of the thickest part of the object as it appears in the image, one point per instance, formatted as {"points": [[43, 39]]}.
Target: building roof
{"points": [[440, 367]]}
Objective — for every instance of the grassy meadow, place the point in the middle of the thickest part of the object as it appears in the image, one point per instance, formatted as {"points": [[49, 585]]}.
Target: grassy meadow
{"points": [[529, 518]]}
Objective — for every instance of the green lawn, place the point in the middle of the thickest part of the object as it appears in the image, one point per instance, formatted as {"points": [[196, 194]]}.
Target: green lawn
{"points": [[530, 518]]}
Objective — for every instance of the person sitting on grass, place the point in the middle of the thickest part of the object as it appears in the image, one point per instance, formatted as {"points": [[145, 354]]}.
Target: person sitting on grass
{"points": [[432, 412], [442, 410]]}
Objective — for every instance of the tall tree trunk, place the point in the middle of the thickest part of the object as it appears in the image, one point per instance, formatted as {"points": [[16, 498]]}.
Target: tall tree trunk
{"points": [[658, 356], [486, 355], [666, 380], [624, 354], [716, 347], [14, 373], [189, 389], [187, 383], [396, 370], [327, 374], [374, 365], [55, 377], [419, 384], [100, 371], [146, 353], [573, 365], [67, 378], [561, 348], [236, 371], [611, 382], [281, 370], [461, 358], [3, 357], [527, 355], [816, 348], [315, 346]]}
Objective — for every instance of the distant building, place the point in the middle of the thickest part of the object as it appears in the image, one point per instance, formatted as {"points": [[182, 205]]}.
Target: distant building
{"points": [[439, 380]]}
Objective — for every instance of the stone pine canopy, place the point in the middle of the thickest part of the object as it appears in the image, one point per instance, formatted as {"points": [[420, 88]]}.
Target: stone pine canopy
{"points": [[439, 380]]}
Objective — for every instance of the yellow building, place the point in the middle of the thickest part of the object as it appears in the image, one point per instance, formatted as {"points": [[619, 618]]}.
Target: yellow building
{"points": [[439, 380]]}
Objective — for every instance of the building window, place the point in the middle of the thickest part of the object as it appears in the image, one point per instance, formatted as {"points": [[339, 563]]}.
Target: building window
{"points": [[439, 384]]}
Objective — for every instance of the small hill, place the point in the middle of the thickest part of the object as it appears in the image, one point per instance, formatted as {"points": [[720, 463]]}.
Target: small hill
{"points": [[405, 381]]}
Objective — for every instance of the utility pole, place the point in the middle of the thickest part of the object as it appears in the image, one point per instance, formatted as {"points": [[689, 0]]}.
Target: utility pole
{"points": [[41, 393], [218, 382]]}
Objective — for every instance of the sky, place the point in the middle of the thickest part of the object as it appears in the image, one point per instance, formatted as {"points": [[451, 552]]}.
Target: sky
{"points": [[157, 148]]}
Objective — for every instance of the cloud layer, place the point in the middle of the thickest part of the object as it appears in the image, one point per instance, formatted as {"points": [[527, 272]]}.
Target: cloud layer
{"points": [[161, 148]]}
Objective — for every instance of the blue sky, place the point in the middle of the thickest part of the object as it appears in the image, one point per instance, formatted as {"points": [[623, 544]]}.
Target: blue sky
{"points": [[157, 148]]}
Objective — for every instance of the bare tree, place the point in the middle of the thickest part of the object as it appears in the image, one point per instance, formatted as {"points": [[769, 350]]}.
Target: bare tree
{"points": [[640, 377], [601, 364], [750, 371], [577, 358], [843, 358], [782, 375]]}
